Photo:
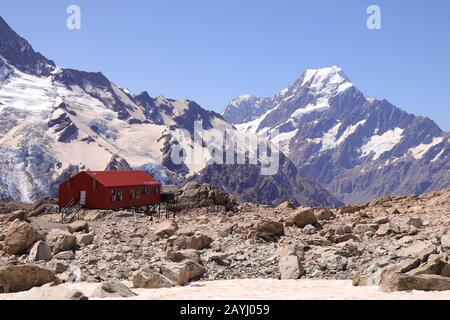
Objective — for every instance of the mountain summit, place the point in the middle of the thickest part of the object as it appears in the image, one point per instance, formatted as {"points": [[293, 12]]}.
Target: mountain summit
{"points": [[359, 148]]}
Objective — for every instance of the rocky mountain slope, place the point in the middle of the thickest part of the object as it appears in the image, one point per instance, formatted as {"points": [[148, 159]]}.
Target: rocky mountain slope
{"points": [[54, 122], [400, 243], [357, 147]]}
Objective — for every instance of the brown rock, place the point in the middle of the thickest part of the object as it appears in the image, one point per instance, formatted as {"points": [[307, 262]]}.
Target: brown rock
{"points": [[166, 228], [392, 281], [182, 273], [269, 231], [197, 242], [303, 218], [60, 240], [40, 252], [290, 267], [418, 249], [16, 215], [351, 209], [148, 278], [286, 205], [20, 237], [78, 226], [23, 277], [324, 214]]}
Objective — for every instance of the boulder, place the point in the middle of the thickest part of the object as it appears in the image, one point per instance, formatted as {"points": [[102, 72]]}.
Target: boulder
{"points": [[178, 256], [445, 242], [191, 194], [20, 237], [334, 262], [286, 205], [269, 231], [304, 218], [23, 277], [418, 249], [221, 198], [65, 255], [40, 252], [351, 209], [147, 278], [84, 240], [381, 220], [415, 222], [432, 266], [20, 215], [166, 229], [182, 273], [191, 186], [324, 214], [394, 281], [112, 289], [49, 293], [371, 275], [290, 267], [197, 242], [387, 229], [363, 228], [78, 226], [286, 251], [60, 240]]}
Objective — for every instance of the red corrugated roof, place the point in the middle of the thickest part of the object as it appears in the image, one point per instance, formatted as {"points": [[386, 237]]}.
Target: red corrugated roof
{"points": [[122, 178]]}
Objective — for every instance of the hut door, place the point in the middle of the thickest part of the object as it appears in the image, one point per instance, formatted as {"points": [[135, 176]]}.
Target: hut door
{"points": [[83, 198]]}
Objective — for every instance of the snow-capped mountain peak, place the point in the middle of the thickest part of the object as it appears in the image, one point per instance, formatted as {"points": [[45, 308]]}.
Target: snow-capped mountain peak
{"points": [[337, 135], [323, 80]]}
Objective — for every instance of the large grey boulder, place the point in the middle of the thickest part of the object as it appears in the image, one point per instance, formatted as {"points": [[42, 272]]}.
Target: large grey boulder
{"points": [[40, 252], [290, 267], [113, 289]]}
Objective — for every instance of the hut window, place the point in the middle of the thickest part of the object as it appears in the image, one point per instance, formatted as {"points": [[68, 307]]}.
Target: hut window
{"points": [[117, 195], [136, 193]]}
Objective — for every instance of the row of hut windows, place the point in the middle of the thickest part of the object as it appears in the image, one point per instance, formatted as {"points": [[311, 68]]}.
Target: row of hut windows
{"points": [[136, 193]]}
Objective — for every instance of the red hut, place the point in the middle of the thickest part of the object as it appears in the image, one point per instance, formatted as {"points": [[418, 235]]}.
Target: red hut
{"points": [[110, 190]]}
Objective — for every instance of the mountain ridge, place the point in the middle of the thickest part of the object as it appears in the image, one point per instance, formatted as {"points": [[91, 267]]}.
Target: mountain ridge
{"points": [[341, 138], [55, 122]]}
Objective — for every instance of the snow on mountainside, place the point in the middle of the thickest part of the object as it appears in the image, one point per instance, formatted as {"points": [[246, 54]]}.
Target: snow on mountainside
{"points": [[358, 148], [55, 122]]}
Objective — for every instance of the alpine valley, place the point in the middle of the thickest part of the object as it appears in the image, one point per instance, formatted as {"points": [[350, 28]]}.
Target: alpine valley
{"points": [[339, 146]]}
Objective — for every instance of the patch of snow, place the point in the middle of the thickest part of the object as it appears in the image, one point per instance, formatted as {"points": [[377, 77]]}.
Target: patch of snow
{"points": [[330, 141], [326, 80], [379, 144], [419, 151], [329, 138], [438, 156], [319, 105], [283, 139]]}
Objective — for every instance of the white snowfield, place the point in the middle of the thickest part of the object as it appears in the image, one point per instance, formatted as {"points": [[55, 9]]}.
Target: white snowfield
{"points": [[29, 103], [379, 144], [260, 289]]}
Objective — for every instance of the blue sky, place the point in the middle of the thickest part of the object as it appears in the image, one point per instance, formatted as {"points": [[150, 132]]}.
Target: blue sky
{"points": [[211, 51]]}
